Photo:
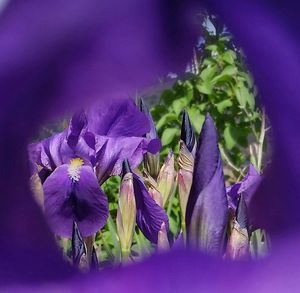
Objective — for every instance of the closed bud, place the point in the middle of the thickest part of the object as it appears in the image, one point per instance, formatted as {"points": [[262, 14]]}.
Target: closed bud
{"points": [[152, 188], [238, 242], [188, 133], [166, 178], [163, 242], [151, 161], [184, 178], [126, 212]]}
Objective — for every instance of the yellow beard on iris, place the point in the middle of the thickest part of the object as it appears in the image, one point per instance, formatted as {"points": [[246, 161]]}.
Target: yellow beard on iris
{"points": [[74, 169]]}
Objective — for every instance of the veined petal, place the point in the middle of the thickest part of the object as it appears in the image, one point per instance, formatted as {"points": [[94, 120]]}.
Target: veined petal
{"points": [[72, 194], [119, 117], [207, 207], [149, 215]]}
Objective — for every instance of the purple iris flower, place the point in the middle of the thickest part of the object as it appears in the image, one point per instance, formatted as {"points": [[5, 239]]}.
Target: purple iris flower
{"points": [[99, 140], [207, 207], [46, 61]]}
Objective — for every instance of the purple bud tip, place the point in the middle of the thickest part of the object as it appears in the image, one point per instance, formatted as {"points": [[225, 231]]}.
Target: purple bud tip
{"points": [[241, 213], [125, 168], [78, 247], [187, 131], [94, 265]]}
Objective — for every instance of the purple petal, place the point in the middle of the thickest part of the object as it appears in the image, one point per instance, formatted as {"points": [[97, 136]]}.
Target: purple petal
{"points": [[119, 117], [68, 200], [149, 215], [247, 187], [207, 207], [143, 107], [78, 122], [112, 151]]}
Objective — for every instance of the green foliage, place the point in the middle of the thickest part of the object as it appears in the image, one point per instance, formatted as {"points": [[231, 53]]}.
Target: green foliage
{"points": [[219, 83]]}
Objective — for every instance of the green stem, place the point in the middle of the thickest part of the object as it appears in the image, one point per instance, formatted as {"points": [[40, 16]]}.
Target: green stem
{"points": [[261, 142], [229, 162]]}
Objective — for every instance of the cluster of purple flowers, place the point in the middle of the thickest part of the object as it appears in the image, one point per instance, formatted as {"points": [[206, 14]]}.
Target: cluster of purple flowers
{"points": [[70, 167]]}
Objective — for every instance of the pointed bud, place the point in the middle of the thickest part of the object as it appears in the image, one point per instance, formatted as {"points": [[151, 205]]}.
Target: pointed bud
{"points": [[126, 211], [238, 242], [152, 188], [185, 178], [163, 242], [94, 264], [166, 178], [207, 207], [78, 245], [151, 161], [188, 133]]}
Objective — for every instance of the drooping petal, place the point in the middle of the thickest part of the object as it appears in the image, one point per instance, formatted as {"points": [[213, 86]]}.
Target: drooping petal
{"points": [[247, 187], [119, 117], [207, 210], [74, 195], [112, 151], [150, 216]]}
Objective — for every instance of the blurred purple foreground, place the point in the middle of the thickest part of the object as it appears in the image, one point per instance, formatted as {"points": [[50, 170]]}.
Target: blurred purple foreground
{"points": [[57, 55]]}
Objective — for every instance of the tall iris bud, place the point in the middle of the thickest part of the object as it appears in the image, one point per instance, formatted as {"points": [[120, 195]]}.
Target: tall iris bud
{"points": [[186, 164], [126, 211], [167, 178], [238, 242], [151, 161], [207, 207]]}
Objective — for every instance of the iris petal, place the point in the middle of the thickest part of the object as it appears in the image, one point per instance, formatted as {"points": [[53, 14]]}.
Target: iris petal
{"points": [[67, 200], [149, 215]]}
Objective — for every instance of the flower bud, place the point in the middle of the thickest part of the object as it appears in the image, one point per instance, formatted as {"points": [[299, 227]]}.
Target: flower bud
{"points": [[238, 243], [166, 178], [126, 211], [163, 242], [151, 161], [185, 178], [152, 188]]}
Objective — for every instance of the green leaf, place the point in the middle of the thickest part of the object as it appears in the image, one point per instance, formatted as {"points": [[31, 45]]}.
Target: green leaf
{"points": [[227, 73], [168, 135], [229, 57], [244, 96], [221, 106], [234, 136], [205, 88], [208, 72], [179, 104], [197, 118], [167, 97], [170, 117]]}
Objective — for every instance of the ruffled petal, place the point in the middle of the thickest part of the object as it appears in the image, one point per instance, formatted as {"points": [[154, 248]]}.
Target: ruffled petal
{"points": [[149, 215], [68, 200], [119, 117]]}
